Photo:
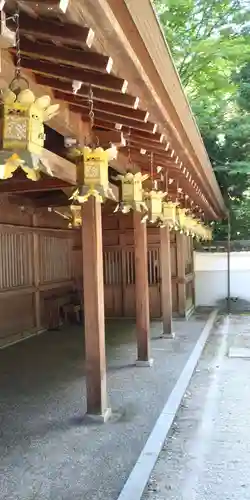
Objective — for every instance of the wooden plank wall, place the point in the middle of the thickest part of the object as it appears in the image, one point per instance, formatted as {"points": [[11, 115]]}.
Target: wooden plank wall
{"points": [[119, 273], [35, 263]]}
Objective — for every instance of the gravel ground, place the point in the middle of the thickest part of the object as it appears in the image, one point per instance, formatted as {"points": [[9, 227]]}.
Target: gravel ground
{"points": [[47, 453], [206, 456]]}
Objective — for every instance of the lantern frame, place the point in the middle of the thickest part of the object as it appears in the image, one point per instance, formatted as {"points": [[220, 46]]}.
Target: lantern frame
{"points": [[92, 174], [153, 200], [132, 193]]}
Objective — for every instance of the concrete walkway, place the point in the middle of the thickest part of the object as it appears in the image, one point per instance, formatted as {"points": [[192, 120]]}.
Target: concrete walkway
{"points": [[206, 456], [46, 451]]}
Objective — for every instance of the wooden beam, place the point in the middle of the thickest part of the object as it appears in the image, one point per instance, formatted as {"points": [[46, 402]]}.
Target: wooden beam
{"points": [[141, 292], [102, 116], [94, 331], [67, 73], [46, 6], [98, 93], [116, 109], [148, 148], [159, 159], [44, 29], [65, 55], [59, 167], [107, 137], [157, 136], [166, 282], [51, 199], [26, 186], [147, 144]]}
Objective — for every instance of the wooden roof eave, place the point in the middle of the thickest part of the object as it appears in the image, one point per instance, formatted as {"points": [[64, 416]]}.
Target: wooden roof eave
{"points": [[142, 51]]}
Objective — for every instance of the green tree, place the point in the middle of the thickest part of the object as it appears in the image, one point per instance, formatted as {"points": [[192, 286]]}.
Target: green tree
{"points": [[210, 43], [208, 40]]}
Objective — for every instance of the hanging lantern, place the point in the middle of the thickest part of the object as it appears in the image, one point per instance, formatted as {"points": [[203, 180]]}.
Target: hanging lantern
{"points": [[169, 213], [76, 213], [22, 131], [181, 217], [132, 196], [92, 174], [153, 201], [22, 124], [92, 164]]}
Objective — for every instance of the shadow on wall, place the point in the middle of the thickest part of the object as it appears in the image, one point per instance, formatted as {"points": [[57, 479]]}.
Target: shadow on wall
{"points": [[236, 305]]}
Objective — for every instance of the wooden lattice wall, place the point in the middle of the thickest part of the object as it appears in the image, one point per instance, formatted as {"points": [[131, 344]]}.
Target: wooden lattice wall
{"points": [[35, 263]]}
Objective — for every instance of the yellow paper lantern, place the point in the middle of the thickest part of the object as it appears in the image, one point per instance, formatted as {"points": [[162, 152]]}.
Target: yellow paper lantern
{"points": [[169, 213], [181, 217], [92, 175], [22, 131], [76, 215], [153, 201], [132, 194]]}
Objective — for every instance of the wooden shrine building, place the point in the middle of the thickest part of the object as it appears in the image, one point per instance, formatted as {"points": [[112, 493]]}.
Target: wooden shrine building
{"points": [[108, 66]]}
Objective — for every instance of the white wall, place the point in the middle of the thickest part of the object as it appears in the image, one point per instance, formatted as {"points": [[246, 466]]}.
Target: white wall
{"points": [[211, 277]]}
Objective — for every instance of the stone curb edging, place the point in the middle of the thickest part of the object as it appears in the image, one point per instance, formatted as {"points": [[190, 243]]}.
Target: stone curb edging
{"points": [[140, 474]]}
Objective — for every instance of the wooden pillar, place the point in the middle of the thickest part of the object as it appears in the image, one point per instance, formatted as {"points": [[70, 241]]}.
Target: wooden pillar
{"points": [[36, 274], [142, 292], [193, 280], [166, 282], [180, 254], [93, 290]]}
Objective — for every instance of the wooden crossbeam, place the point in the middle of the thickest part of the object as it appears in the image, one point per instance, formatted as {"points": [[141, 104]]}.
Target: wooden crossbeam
{"points": [[56, 6], [145, 135], [65, 55], [25, 185], [101, 80], [98, 93], [112, 118], [148, 146], [158, 158], [106, 138], [45, 29], [116, 109]]}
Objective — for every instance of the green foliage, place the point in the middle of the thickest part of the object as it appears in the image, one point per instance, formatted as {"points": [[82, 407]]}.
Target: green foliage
{"points": [[210, 43]]}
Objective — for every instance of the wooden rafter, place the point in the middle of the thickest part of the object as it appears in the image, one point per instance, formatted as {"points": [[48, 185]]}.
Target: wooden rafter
{"points": [[158, 158], [65, 55], [101, 80], [145, 135], [120, 120], [149, 147], [115, 109], [46, 6], [15, 185], [65, 33], [98, 93]]}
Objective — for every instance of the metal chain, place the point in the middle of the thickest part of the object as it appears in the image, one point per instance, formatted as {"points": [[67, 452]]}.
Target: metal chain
{"points": [[91, 107], [18, 49], [151, 166], [166, 182], [129, 150]]}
